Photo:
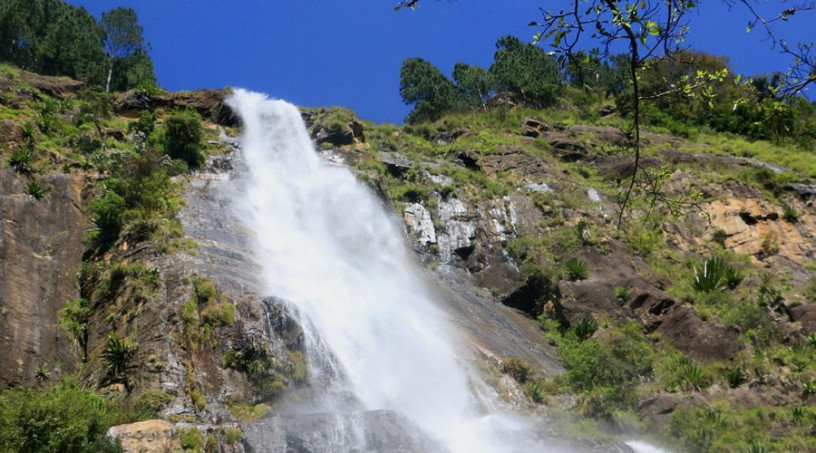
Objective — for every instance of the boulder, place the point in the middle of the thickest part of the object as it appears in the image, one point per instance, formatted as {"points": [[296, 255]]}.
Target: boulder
{"points": [[12, 135], [58, 87], [805, 314], [147, 436], [534, 128], [703, 340]]}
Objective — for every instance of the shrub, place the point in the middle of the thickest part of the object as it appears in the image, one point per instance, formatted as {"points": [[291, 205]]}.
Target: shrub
{"points": [[736, 377], [585, 328], [733, 277], [534, 390], [63, 418], [148, 405], [233, 435], [622, 293], [576, 269], [106, 214], [182, 137], [116, 355], [22, 160], [35, 189], [790, 214], [191, 439], [146, 123], [73, 317], [517, 368]]}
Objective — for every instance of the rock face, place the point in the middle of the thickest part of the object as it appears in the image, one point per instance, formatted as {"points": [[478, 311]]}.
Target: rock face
{"points": [[41, 246], [147, 436], [364, 431]]}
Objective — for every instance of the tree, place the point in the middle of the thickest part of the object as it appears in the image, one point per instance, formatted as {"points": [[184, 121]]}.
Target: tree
{"points": [[475, 84], [423, 85], [528, 72], [123, 37], [133, 72], [652, 30]]}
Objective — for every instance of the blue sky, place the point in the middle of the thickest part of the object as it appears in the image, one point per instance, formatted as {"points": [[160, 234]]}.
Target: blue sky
{"points": [[320, 53]]}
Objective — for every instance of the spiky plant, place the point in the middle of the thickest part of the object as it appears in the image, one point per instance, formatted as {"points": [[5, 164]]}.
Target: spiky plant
{"points": [[576, 269], [116, 355], [35, 189], [22, 160], [789, 213], [711, 277], [585, 328]]}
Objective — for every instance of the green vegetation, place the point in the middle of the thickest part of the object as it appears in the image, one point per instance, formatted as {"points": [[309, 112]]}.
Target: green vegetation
{"points": [[63, 418], [523, 70], [206, 311], [576, 269], [182, 137], [54, 38], [116, 356]]}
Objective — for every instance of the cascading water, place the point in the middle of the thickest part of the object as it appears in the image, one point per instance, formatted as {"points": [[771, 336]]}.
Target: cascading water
{"points": [[327, 245]]}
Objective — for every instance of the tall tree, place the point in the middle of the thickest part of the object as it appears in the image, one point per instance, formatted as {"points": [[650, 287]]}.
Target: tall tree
{"points": [[424, 85], [475, 85], [123, 37], [528, 72]]}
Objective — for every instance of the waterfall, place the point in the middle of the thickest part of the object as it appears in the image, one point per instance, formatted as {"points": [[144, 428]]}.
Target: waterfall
{"points": [[329, 247]]}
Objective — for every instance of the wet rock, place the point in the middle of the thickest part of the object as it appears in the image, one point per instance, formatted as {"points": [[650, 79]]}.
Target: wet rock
{"points": [[458, 229], [208, 103], [419, 224], [363, 431]]}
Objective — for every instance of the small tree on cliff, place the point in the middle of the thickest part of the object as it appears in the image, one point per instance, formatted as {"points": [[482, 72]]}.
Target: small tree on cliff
{"points": [[123, 37]]}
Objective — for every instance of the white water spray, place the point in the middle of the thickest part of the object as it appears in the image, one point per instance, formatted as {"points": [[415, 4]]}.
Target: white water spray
{"points": [[327, 246]]}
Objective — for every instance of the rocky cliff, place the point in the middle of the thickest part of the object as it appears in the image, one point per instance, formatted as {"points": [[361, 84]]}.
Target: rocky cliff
{"points": [[514, 217]]}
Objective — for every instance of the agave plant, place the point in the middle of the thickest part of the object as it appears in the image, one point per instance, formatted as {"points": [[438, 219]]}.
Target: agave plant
{"points": [[712, 276], [22, 160], [116, 355], [576, 269], [35, 189]]}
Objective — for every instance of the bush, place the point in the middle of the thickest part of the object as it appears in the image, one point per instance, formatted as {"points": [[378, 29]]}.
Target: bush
{"points": [[182, 137], [63, 418], [585, 328], [517, 368], [191, 439], [148, 405], [106, 214]]}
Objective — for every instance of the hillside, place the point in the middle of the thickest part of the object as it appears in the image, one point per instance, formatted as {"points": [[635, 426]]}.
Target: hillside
{"points": [[121, 270]]}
